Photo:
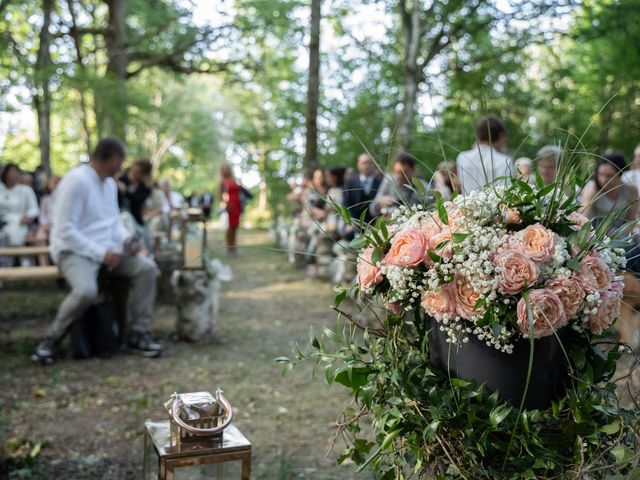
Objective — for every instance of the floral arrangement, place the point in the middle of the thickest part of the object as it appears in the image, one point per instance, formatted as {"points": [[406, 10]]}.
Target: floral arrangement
{"points": [[508, 264], [484, 264]]}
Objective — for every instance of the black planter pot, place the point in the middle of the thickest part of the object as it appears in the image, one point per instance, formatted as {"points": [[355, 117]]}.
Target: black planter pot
{"points": [[503, 372]]}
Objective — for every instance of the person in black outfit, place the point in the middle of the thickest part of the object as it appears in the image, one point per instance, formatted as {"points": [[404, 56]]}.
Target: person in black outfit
{"points": [[134, 189], [360, 189], [206, 200]]}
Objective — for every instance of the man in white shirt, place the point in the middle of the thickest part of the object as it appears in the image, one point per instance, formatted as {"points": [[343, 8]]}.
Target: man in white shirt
{"points": [[486, 161], [87, 235]]}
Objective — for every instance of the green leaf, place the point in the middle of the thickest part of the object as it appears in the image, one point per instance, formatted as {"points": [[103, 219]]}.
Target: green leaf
{"points": [[459, 237], [354, 378], [498, 414], [574, 264], [611, 428], [340, 298], [545, 190], [358, 243], [383, 229], [434, 256], [442, 211], [376, 256], [417, 182]]}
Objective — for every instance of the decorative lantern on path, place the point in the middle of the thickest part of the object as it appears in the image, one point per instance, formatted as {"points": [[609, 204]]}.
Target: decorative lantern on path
{"points": [[194, 239], [198, 436]]}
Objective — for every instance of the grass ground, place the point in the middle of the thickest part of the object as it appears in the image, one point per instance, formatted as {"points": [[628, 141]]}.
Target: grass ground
{"points": [[87, 416]]}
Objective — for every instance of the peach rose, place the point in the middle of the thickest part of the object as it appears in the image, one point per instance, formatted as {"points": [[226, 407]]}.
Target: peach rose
{"points": [[578, 219], [395, 308], [570, 293], [465, 297], [547, 313], [516, 271], [407, 249], [608, 310], [368, 274], [617, 285], [594, 274], [511, 216], [430, 228], [537, 242], [440, 302], [445, 251]]}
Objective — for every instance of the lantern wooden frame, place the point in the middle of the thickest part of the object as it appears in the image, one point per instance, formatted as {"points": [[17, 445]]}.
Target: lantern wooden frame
{"points": [[192, 216]]}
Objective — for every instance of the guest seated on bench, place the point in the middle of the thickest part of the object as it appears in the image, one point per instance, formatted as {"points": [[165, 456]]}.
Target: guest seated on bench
{"points": [[87, 234], [41, 237], [18, 206]]}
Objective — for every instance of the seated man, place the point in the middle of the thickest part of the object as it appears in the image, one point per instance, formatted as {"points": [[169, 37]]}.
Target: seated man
{"points": [[398, 189], [87, 234]]}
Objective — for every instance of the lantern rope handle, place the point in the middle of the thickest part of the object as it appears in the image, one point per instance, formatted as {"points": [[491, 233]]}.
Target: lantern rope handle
{"points": [[226, 407]]}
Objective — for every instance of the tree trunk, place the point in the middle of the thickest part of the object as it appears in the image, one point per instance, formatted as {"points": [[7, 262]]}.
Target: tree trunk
{"points": [[412, 72], [310, 162], [115, 112], [263, 199], [77, 43], [42, 98]]}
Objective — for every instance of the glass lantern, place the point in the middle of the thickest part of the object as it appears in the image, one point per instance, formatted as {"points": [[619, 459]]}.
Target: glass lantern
{"points": [[194, 239]]}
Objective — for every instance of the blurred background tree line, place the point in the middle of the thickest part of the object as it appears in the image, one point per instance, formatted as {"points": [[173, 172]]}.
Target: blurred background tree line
{"points": [[278, 86]]}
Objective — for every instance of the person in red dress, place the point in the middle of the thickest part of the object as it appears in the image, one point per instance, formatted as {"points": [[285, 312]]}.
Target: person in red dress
{"points": [[230, 194]]}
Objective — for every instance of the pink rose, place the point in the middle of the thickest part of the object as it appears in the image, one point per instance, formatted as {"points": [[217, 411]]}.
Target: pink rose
{"points": [[435, 244], [407, 249], [465, 298], [440, 302], [608, 310], [578, 219], [368, 274], [594, 274], [430, 228], [537, 242], [570, 293], [547, 313], [516, 271], [395, 308], [617, 286], [512, 216]]}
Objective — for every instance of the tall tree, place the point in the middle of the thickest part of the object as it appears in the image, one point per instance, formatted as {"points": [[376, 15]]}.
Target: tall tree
{"points": [[433, 30], [42, 96], [313, 90], [115, 39]]}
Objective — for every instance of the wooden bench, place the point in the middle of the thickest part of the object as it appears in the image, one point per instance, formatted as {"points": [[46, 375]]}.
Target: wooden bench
{"points": [[23, 251], [48, 272]]}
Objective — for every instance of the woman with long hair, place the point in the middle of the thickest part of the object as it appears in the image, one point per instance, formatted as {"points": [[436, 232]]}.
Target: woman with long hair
{"points": [[606, 192], [230, 201]]}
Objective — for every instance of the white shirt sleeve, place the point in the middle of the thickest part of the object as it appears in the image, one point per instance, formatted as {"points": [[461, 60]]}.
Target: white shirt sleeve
{"points": [[67, 211], [31, 203]]}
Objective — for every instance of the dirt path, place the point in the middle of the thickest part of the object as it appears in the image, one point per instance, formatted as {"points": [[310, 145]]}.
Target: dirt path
{"points": [[88, 415]]}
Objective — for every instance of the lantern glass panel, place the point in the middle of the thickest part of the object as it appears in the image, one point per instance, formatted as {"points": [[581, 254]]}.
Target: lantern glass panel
{"points": [[194, 243]]}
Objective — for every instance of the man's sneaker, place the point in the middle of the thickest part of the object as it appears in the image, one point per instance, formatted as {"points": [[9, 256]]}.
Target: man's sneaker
{"points": [[45, 352], [144, 344]]}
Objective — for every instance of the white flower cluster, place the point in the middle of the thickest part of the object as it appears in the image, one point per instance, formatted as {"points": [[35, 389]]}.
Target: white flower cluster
{"points": [[481, 262]]}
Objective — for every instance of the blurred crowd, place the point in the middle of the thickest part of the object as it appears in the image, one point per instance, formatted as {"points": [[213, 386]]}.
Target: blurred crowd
{"points": [[317, 228], [146, 206]]}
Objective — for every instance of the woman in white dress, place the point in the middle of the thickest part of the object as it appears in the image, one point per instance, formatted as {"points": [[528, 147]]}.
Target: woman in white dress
{"points": [[18, 206]]}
